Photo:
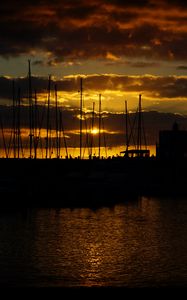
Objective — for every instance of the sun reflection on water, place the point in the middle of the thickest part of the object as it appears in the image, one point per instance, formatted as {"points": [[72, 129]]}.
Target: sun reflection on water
{"points": [[135, 244]]}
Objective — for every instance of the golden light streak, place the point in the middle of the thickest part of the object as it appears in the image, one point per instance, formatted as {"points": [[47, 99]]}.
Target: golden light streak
{"points": [[95, 131]]}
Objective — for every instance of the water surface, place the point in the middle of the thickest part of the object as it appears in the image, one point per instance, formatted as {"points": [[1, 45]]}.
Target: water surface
{"points": [[134, 244]]}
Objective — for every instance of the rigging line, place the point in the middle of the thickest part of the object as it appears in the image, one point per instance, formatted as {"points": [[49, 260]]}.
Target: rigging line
{"points": [[9, 144], [139, 137], [92, 127], [74, 143], [99, 125], [21, 144], [60, 133], [56, 118], [50, 141], [126, 126], [86, 128], [89, 128], [144, 135], [19, 138], [35, 125], [104, 137], [30, 108], [64, 138], [81, 98], [18, 120], [13, 120], [132, 128], [43, 109], [4, 142], [48, 116]]}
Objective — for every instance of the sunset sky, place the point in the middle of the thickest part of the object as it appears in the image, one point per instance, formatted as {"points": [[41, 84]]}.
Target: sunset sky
{"points": [[120, 48]]}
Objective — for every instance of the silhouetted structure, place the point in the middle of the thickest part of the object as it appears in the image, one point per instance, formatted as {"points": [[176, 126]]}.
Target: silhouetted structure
{"points": [[43, 182], [138, 151], [172, 143]]}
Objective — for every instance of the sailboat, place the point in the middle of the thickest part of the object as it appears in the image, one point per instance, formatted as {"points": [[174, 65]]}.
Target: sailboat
{"points": [[138, 150]]}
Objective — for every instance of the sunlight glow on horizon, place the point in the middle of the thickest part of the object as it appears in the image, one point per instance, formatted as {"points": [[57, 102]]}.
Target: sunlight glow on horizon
{"points": [[95, 131]]}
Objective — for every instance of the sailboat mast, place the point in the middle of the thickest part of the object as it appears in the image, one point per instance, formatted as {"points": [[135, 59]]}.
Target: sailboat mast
{"points": [[81, 103], [126, 125], [104, 138], [57, 135], [14, 119], [64, 137], [48, 107], [35, 126], [30, 110], [92, 127], [18, 122], [60, 133], [139, 125], [4, 143], [99, 126]]}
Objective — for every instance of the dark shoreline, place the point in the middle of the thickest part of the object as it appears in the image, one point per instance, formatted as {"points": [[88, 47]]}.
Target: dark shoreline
{"points": [[74, 182]]}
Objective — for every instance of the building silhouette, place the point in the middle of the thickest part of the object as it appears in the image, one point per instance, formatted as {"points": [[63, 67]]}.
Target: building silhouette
{"points": [[172, 143]]}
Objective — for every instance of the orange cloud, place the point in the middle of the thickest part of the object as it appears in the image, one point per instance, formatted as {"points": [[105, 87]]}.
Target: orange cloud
{"points": [[73, 30]]}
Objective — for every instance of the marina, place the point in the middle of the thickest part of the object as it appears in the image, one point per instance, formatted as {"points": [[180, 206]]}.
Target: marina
{"points": [[55, 181]]}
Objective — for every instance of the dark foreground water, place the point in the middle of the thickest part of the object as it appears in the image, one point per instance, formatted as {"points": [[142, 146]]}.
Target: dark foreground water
{"points": [[135, 244]]}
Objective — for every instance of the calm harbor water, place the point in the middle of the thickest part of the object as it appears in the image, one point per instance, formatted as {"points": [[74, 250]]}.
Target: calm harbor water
{"points": [[136, 243]]}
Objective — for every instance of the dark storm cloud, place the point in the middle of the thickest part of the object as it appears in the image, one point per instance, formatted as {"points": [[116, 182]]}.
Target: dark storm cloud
{"points": [[179, 3], [39, 84], [132, 3], [182, 68], [157, 87], [71, 30]]}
